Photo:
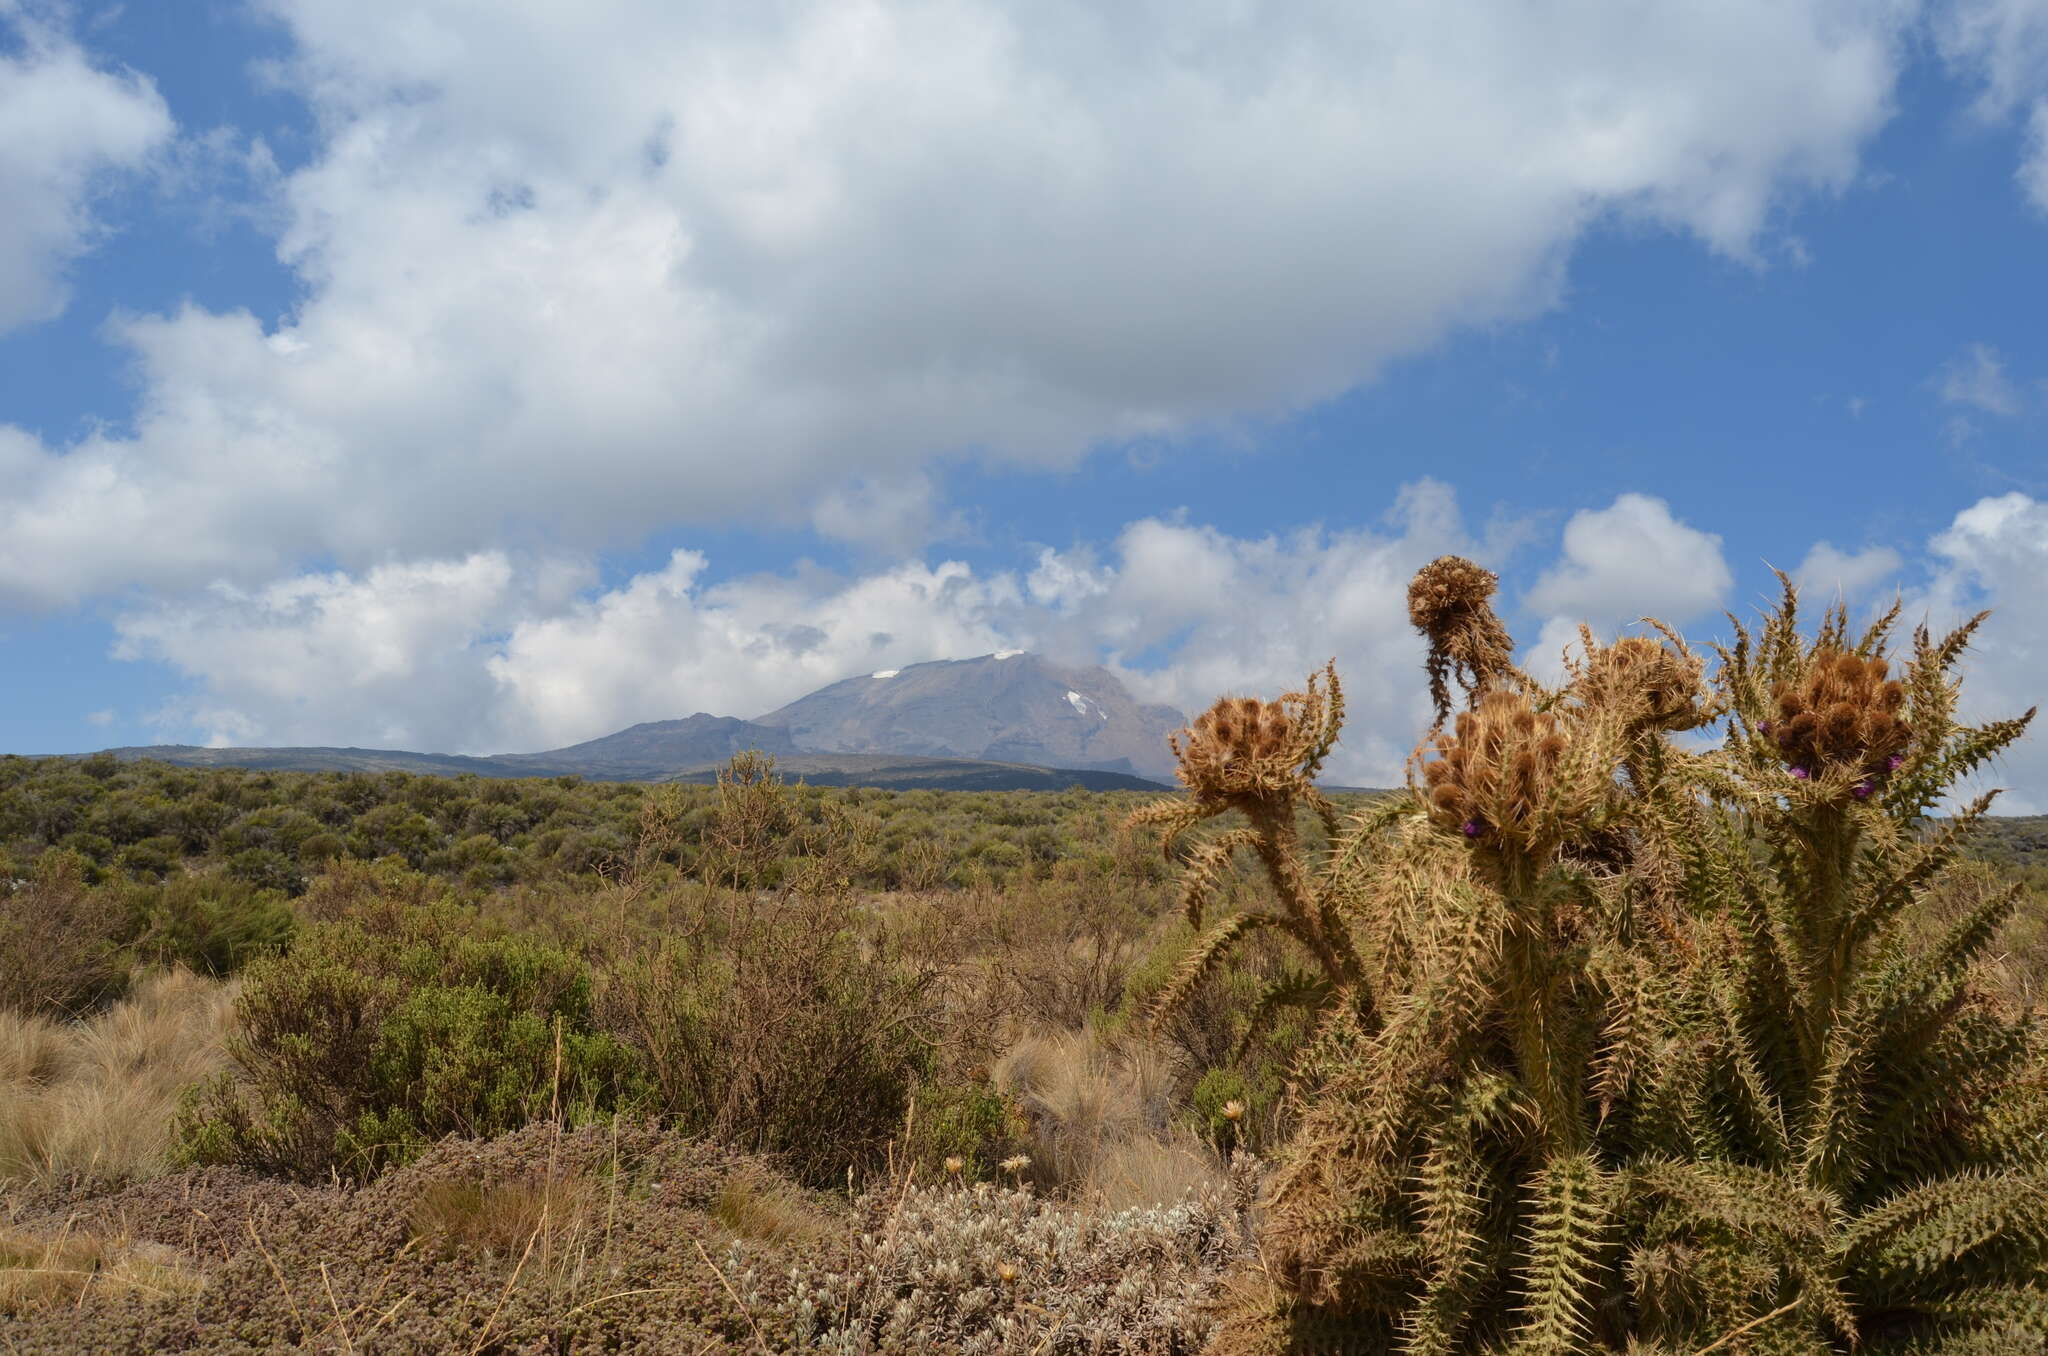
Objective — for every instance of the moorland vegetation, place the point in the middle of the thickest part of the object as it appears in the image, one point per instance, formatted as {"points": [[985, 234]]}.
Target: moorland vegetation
{"points": [[1673, 1008]]}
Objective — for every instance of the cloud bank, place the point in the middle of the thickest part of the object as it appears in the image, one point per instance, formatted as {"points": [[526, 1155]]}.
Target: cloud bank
{"points": [[765, 262]]}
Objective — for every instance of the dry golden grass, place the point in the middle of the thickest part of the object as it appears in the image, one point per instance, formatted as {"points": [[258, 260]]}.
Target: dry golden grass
{"points": [[97, 1098], [69, 1268], [1101, 1120], [504, 1218], [760, 1208]]}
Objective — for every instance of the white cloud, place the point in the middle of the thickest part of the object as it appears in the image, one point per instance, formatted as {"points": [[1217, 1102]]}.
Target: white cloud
{"points": [[490, 653], [1630, 560], [580, 270], [1833, 573], [65, 125], [101, 718], [395, 657], [2003, 46], [1620, 564], [1995, 554], [1977, 379]]}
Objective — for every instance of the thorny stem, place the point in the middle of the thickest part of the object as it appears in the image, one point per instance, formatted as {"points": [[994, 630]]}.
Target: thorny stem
{"points": [[1279, 849]]}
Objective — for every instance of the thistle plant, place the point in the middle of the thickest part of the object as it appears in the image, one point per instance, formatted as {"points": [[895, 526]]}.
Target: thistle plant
{"points": [[1259, 759], [1628, 1047]]}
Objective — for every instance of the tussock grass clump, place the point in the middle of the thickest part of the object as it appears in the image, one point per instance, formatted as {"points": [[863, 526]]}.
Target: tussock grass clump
{"points": [[1099, 1120], [1646, 1049], [97, 1098], [68, 1268]]}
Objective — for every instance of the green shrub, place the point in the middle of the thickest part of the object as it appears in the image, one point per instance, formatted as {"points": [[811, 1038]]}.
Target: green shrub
{"points": [[214, 925], [773, 1025], [970, 1122], [379, 1034]]}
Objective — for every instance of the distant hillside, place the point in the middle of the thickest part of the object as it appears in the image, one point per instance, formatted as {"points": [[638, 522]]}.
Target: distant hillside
{"points": [[1010, 707], [935, 774], [656, 748], [635, 764], [2014, 840], [321, 760]]}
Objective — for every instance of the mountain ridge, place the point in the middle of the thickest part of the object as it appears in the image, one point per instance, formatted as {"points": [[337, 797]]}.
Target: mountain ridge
{"points": [[1012, 705], [1008, 720]]}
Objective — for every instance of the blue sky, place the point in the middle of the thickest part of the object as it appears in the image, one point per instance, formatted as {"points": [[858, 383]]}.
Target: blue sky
{"points": [[487, 377]]}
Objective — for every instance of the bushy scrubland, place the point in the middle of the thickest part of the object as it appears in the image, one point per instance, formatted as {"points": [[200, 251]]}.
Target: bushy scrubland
{"points": [[1591, 1041]]}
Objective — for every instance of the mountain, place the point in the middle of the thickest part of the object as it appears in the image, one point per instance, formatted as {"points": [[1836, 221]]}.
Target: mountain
{"points": [[1004, 722], [1011, 706], [320, 760], [934, 774], [657, 747]]}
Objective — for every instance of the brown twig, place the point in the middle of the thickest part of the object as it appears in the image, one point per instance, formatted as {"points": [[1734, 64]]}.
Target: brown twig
{"points": [[745, 1312], [1753, 1324]]}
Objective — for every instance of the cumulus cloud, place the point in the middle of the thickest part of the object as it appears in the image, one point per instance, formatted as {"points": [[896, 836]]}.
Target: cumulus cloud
{"points": [[394, 657], [574, 288], [65, 126], [493, 653], [1995, 555], [1977, 379], [1630, 560], [1847, 575], [2002, 45]]}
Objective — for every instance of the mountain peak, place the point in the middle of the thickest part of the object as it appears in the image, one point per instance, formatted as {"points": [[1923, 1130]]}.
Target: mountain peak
{"points": [[1010, 705]]}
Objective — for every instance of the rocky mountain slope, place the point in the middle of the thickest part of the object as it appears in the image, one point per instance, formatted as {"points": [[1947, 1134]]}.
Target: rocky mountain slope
{"points": [[1006, 721], [1010, 706]]}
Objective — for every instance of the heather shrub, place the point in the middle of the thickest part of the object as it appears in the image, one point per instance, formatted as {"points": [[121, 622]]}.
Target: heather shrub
{"points": [[213, 924], [378, 1034], [961, 1130], [1622, 1045], [775, 1024], [60, 940]]}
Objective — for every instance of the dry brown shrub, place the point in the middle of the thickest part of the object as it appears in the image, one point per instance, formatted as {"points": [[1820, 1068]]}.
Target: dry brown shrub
{"points": [[621, 1253], [59, 953], [777, 1024]]}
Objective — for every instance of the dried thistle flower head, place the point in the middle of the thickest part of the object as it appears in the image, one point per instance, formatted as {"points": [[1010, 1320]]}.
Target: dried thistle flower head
{"points": [[1233, 1110], [1017, 1163], [1448, 603], [1006, 1272], [1496, 778], [1648, 685], [1257, 754], [955, 1165], [1841, 719]]}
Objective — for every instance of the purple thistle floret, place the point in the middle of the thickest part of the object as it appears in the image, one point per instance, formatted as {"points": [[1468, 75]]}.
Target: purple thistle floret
{"points": [[1862, 790], [1801, 773], [1893, 763], [1763, 727], [1473, 828]]}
